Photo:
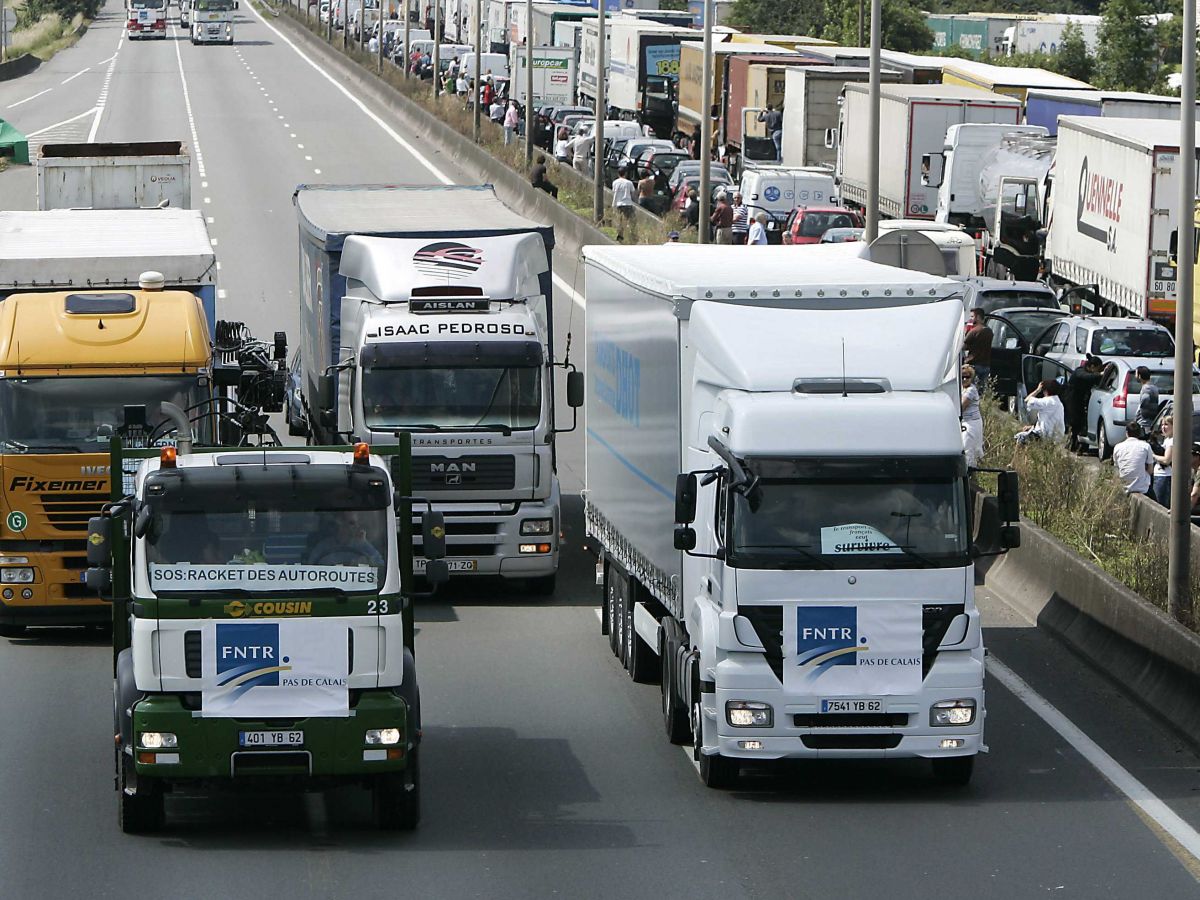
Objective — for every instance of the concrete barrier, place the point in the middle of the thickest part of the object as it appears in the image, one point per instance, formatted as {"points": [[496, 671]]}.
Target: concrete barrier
{"points": [[1132, 641], [22, 65]]}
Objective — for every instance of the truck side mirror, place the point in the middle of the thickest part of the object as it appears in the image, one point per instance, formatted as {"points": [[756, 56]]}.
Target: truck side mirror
{"points": [[98, 580], [327, 393], [685, 538], [99, 552], [685, 501], [830, 138], [143, 525], [437, 572], [575, 389], [1010, 537], [433, 536], [1008, 498]]}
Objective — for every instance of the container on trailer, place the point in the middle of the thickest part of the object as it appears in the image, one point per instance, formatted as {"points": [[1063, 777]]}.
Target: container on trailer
{"points": [[1043, 106], [114, 176]]}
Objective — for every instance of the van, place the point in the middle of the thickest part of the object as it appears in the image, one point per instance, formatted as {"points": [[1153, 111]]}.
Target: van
{"points": [[777, 190], [494, 64]]}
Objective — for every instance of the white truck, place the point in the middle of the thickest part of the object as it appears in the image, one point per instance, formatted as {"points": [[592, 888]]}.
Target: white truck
{"points": [[590, 68], [810, 114], [146, 19], [955, 169], [428, 310], [114, 176], [554, 74], [777, 488], [913, 119], [211, 21], [643, 70], [1044, 34], [1114, 220]]}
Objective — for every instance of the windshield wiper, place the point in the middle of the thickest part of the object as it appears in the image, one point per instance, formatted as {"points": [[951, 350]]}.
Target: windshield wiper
{"points": [[15, 445], [800, 549]]}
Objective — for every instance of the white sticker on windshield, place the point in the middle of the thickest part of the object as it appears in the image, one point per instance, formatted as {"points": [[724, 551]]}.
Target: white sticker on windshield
{"points": [[259, 576], [856, 539]]}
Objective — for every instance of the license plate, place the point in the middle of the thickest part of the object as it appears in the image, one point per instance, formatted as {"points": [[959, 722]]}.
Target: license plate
{"points": [[848, 705], [270, 738], [454, 565]]}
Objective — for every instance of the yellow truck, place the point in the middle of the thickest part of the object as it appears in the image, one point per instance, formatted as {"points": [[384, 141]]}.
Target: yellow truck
{"points": [[1013, 81], [75, 369]]}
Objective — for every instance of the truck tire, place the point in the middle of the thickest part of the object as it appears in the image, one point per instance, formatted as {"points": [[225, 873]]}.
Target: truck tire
{"points": [[141, 812], [11, 631], [675, 717], [640, 661], [613, 609], [397, 798], [954, 770], [716, 771]]}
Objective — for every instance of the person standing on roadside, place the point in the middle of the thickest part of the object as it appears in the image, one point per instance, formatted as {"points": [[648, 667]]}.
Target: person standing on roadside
{"points": [[758, 231], [1160, 478], [1148, 402], [622, 201], [1079, 391], [512, 118], [741, 220], [691, 210], [972, 418], [978, 347], [646, 191], [722, 220], [1134, 461]]}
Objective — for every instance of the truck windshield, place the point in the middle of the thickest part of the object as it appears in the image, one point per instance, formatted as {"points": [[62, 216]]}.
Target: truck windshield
{"points": [[267, 548], [147, 4], [77, 413], [212, 5], [458, 397], [850, 514]]}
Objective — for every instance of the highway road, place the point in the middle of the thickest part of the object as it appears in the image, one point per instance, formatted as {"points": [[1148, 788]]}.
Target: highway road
{"points": [[545, 771]]}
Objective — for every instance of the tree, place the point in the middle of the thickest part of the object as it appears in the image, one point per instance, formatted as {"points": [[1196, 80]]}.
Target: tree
{"points": [[779, 16], [903, 26], [1073, 59], [677, 5], [1126, 56]]}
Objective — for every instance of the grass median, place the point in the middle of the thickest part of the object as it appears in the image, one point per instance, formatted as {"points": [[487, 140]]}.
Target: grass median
{"points": [[45, 37]]}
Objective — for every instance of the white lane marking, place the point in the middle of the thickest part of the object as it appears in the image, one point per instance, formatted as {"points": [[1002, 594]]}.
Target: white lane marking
{"points": [[1117, 775], [187, 105], [390, 132], [316, 171], [31, 97], [76, 75], [308, 159], [299, 146], [208, 199], [213, 241], [218, 265], [103, 99], [63, 122]]}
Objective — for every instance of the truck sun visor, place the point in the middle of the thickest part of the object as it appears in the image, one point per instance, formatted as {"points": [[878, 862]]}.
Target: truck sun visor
{"points": [[99, 304], [453, 353]]}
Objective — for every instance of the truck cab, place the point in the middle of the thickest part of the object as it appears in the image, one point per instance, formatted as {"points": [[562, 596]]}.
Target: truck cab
{"points": [[146, 18], [211, 21]]}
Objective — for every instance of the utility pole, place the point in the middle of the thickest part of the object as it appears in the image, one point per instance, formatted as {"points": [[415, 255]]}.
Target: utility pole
{"points": [[437, 48], [529, 81], [379, 38], [601, 106], [1179, 595], [407, 34], [475, 85], [872, 229], [706, 127], [345, 22], [861, 17]]}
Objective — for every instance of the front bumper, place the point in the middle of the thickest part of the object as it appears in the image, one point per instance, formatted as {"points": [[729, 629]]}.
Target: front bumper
{"points": [[491, 542], [333, 748], [57, 594]]}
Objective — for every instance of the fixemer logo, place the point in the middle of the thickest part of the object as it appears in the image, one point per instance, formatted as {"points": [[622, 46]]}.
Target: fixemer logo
{"points": [[448, 259], [827, 636], [248, 656]]}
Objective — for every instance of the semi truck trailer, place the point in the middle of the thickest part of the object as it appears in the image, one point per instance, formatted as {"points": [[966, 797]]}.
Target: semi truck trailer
{"points": [[777, 490], [1044, 106], [427, 311], [810, 115], [114, 176], [643, 74]]}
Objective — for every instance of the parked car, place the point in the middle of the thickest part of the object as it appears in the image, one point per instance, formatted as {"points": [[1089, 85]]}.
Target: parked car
{"points": [[550, 118], [842, 235], [992, 294], [679, 200], [808, 224], [624, 154], [1134, 340], [691, 168], [1013, 330]]}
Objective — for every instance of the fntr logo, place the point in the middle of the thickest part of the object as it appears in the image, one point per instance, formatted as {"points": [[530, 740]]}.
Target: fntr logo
{"points": [[827, 636], [248, 656], [448, 259]]}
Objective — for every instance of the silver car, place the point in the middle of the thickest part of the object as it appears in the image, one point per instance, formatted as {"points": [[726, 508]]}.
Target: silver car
{"points": [[1136, 341]]}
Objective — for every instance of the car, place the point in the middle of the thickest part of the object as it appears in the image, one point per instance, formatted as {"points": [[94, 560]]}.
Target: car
{"points": [[662, 161], [1166, 409], [1073, 338], [679, 199], [691, 167], [991, 294], [624, 153], [807, 224], [841, 235], [1013, 330]]}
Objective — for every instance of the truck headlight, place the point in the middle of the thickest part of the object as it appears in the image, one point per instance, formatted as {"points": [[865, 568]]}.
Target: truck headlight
{"points": [[536, 526], [155, 740], [21, 575], [749, 714], [385, 737], [952, 712]]}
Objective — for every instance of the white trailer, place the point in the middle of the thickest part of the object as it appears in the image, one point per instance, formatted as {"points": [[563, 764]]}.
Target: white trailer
{"points": [[777, 489], [1114, 220], [1045, 33], [114, 176], [913, 119], [810, 115], [955, 170], [554, 76], [589, 60]]}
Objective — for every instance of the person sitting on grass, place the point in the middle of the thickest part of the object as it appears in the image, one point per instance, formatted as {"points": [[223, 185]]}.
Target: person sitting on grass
{"points": [[1044, 403]]}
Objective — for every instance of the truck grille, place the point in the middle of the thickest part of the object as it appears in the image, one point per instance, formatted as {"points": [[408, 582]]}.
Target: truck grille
{"points": [[191, 654], [70, 512], [466, 473]]}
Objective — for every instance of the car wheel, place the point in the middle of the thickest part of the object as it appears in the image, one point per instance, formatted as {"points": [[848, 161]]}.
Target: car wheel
{"points": [[1103, 447]]}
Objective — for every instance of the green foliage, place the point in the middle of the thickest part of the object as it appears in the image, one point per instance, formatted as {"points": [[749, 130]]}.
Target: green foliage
{"points": [[677, 5], [33, 11], [835, 20], [780, 16], [1073, 59], [1127, 55]]}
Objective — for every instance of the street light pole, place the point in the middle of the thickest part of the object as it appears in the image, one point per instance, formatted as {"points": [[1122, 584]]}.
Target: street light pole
{"points": [[407, 35], [437, 48], [872, 229], [706, 126], [1179, 596], [475, 85], [528, 82], [601, 103]]}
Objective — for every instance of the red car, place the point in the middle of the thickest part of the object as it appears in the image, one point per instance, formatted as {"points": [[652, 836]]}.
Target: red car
{"points": [[679, 202], [806, 224]]}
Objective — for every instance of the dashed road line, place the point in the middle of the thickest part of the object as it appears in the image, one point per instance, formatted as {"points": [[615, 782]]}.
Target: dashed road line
{"points": [[187, 105], [27, 99], [102, 101], [76, 75]]}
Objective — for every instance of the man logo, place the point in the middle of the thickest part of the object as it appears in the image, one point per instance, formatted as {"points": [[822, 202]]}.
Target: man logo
{"points": [[235, 608], [448, 259]]}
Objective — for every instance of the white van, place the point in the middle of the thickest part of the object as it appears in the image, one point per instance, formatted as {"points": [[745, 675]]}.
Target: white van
{"points": [[777, 190], [494, 64]]}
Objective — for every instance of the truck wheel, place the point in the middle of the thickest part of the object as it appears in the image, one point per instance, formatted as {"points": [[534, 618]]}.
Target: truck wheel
{"points": [[612, 612], [640, 660], [675, 719], [397, 798], [541, 587], [140, 813], [12, 630], [716, 771], [954, 770]]}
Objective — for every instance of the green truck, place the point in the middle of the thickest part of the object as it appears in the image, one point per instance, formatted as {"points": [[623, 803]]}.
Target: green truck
{"points": [[262, 628]]}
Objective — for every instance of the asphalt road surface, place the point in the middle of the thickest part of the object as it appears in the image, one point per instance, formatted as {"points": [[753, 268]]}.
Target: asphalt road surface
{"points": [[545, 771]]}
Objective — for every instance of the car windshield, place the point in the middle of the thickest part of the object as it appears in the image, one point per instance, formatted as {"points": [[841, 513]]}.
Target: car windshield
{"points": [[1151, 343], [1032, 323], [990, 301], [77, 413], [850, 514], [815, 224], [1164, 380], [298, 544], [445, 397]]}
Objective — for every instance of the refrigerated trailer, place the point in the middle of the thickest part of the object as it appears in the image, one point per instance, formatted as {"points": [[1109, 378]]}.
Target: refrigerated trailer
{"points": [[777, 490]]}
